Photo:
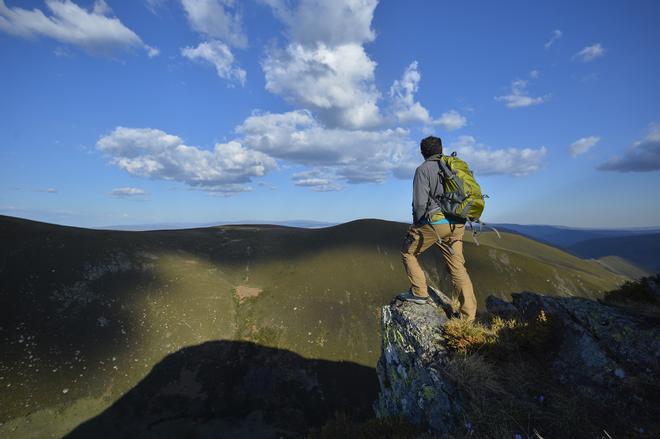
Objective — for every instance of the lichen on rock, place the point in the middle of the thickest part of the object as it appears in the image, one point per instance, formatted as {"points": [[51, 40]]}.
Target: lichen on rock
{"points": [[589, 355], [410, 369]]}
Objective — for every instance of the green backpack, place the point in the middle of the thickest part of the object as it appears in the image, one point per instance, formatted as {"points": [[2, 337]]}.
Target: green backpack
{"points": [[462, 197]]}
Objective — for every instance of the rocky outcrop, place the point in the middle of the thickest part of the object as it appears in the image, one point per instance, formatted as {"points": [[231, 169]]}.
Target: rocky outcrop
{"points": [[410, 369], [601, 347], [600, 350]]}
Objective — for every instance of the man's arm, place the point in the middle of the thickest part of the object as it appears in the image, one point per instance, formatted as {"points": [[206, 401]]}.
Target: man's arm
{"points": [[421, 192]]}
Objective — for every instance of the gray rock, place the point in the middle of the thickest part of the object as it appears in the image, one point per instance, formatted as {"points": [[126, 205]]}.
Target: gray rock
{"points": [[410, 368], [501, 308], [600, 351], [595, 340]]}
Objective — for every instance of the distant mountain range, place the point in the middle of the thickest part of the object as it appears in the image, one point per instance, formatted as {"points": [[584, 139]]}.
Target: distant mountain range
{"points": [[565, 237], [85, 314], [307, 224], [640, 246], [641, 250], [560, 236]]}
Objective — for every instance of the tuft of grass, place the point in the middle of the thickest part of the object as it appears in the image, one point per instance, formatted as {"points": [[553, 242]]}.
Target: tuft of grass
{"points": [[455, 304], [503, 372], [474, 375], [464, 336]]}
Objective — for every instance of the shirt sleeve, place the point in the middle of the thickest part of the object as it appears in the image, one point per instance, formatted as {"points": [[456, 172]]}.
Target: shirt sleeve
{"points": [[421, 191]]}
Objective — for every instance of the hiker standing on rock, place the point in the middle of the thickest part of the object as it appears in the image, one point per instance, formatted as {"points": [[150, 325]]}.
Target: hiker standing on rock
{"points": [[431, 226]]}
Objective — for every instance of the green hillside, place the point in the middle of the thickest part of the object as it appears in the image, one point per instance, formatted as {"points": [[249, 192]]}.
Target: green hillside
{"points": [[86, 313], [641, 250], [623, 267]]}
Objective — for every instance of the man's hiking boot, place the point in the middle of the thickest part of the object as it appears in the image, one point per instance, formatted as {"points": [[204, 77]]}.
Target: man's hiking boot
{"points": [[408, 296]]}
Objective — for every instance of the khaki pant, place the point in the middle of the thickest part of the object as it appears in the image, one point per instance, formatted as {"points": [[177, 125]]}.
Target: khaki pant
{"points": [[418, 240]]}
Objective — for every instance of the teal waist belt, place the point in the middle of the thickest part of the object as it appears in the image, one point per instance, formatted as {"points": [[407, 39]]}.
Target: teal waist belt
{"points": [[444, 221]]}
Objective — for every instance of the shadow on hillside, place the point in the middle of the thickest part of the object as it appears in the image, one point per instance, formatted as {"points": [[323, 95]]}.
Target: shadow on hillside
{"points": [[236, 389], [73, 299]]}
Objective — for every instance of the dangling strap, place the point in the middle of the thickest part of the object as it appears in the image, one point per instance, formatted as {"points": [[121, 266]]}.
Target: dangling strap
{"points": [[481, 225], [474, 231]]}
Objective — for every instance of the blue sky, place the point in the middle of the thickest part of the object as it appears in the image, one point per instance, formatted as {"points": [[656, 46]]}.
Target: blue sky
{"points": [[161, 111]]}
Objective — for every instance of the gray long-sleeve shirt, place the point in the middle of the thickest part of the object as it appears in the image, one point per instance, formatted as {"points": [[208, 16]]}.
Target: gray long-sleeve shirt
{"points": [[427, 187]]}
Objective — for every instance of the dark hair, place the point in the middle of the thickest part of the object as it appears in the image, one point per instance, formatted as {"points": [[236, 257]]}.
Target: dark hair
{"points": [[430, 146]]}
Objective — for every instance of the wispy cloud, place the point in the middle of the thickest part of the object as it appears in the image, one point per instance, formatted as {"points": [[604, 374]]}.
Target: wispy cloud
{"points": [[48, 190], [407, 110], [317, 180], [590, 53], [641, 156], [220, 23], [556, 35], [94, 30], [519, 96], [583, 145], [219, 55], [155, 6], [127, 192]]}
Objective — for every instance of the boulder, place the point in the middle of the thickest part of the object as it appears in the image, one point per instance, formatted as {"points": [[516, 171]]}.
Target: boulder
{"points": [[599, 350], [412, 384]]}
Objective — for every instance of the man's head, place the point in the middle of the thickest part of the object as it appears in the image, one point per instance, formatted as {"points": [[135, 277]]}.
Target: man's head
{"points": [[430, 146]]}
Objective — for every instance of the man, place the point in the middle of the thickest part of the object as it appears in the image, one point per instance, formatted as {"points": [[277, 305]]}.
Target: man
{"points": [[430, 225]]}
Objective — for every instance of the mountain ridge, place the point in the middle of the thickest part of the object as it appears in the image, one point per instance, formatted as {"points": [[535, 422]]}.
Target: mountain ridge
{"points": [[93, 310]]}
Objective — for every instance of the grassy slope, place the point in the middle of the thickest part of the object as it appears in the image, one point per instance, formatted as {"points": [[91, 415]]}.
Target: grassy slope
{"points": [[86, 313], [641, 250], [623, 266]]}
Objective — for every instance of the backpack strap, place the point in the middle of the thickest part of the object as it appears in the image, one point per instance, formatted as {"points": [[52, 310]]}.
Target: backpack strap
{"points": [[445, 171]]}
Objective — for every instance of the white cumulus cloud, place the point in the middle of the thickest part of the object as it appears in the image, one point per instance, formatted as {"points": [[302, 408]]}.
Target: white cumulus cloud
{"points": [[331, 22], [504, 161], [217, 19], [519, 96], [583, 145], [590, 53], [324, 67], [355, 156], [219, 55], [153, 153], [94, 30], [451, 120], [336, 82]]}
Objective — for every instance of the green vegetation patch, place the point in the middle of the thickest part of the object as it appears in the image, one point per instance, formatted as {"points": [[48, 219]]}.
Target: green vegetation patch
{"points": [[503, 370]]}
